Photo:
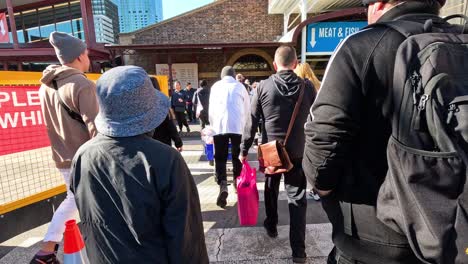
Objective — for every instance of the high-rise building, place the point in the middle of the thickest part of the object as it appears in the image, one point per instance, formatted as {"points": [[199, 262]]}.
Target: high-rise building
{"points": [[106, 21], [136, 14]]}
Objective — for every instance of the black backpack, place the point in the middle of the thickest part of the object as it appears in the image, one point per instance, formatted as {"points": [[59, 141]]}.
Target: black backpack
{"points": [[425, 195]]}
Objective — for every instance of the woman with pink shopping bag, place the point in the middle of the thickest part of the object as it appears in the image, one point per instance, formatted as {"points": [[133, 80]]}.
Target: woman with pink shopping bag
{"points": [[247, 195]]}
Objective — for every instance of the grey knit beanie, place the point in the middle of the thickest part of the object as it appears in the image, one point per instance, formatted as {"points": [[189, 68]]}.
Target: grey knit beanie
{"points": [[368, 2], [228, 71], [128, 103], [67, 48]]}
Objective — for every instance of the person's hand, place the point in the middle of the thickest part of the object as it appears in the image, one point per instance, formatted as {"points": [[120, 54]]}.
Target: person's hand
{"points": [[180, 100], [242, 158], [180, 149], [322, 193]]}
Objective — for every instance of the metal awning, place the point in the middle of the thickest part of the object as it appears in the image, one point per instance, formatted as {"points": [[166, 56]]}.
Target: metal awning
{"points": [[303, 8], [288, 37], [313, 6], [29, 3], [18, 3], [291, 35]]}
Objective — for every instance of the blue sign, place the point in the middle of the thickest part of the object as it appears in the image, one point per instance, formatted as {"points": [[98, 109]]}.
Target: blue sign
{"points": [[324, 37]]}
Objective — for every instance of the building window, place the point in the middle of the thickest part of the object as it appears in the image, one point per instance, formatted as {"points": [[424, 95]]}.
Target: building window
{"points": [[251, 63]]}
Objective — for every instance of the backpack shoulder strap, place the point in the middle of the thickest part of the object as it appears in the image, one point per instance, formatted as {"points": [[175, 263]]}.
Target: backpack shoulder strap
{"points": [[70, 112], [406, 28], [295, 112], [428, 23]]}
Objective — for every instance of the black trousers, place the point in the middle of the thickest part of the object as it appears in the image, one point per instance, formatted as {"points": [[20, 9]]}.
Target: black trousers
{"points": [[181, 120], [221, 143], [204, 121], [295, 185], [190, 112]]}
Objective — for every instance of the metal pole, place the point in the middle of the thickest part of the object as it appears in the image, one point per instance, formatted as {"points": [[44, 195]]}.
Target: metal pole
{"points": [[304, 31], [169, 63], [11, 17], [285, 23], [88, 22]]}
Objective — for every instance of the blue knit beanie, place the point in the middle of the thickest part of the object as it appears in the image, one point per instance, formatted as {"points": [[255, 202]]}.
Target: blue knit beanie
{"points": [[128, 103]]}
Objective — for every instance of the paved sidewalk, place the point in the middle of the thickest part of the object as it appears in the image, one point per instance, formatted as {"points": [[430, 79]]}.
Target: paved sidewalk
{"points": [[227, 241]]}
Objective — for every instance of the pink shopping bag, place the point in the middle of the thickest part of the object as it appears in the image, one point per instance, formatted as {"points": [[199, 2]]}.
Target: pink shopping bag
{"points": [[247, 195]]}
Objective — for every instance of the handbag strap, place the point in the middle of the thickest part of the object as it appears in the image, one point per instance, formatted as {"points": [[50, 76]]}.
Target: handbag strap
{"points": [[296, 111], [74, 115]]}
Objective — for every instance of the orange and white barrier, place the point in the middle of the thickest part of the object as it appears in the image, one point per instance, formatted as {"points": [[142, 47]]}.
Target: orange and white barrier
{"points": [[74, 251]]}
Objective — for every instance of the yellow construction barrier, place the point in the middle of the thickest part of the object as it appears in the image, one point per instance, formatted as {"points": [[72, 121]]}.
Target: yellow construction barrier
{"points": [[32, 78], [27, 172]]}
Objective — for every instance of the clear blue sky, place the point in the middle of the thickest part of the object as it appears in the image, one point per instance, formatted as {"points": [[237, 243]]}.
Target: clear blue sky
{"points": [[175, 7]]}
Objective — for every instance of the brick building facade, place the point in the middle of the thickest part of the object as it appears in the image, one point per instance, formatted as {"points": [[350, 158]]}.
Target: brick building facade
{"points": [[223, 21], [218, 34]]}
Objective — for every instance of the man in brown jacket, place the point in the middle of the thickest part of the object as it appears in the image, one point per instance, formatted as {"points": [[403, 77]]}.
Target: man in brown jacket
{"points": [[69, 106]]}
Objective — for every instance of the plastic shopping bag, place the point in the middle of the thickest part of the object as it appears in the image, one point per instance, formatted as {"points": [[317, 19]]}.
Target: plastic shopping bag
{"points": [[247, 195], [199, 107], [207, 135], [209, 151]]}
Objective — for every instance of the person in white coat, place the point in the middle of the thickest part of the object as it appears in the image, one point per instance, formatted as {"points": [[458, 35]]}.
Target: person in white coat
{"points": [[229, 109]]}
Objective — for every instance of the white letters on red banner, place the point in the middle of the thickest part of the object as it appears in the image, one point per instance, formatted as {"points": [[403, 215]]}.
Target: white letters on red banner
{"points": [[21, 125]]}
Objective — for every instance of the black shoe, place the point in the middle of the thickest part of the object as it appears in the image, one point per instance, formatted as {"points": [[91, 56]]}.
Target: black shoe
{"points": [[46, 259], [188, 129], [211, 162], [299, 260], [222, 196], [271, 231]]}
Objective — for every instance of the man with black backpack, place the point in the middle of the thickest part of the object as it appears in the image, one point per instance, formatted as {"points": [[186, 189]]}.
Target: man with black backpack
{"points": [[396, 88], [282, 102], [69, 106]]}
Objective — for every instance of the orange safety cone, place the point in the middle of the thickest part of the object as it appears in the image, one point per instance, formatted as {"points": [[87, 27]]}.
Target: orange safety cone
{"points": [[74, 251]]}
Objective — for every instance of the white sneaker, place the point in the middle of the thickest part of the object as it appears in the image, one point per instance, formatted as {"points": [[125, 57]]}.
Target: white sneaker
{"points": [[315, 196]]}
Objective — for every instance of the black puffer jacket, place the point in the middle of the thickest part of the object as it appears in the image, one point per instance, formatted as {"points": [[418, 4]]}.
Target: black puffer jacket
{"points": [[274, 102], [166, 132], [138, 202], [347, 134], [189, 95], [202, 94]]}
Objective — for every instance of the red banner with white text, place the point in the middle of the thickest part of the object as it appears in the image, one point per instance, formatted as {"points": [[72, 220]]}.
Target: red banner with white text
{"points": [[21, 123]]}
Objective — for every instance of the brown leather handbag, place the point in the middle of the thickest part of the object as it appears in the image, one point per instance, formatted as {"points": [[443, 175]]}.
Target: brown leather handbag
{"points": [[272, 156]]}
